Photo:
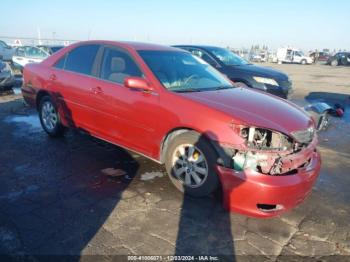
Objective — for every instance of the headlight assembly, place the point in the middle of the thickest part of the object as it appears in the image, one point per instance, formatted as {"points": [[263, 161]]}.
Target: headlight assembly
{"points": [[265, 139], [264, 80]]}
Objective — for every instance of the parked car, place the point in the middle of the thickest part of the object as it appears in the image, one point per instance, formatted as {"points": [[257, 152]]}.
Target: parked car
{"points": [[322, 56], [7, 79], [50, 49], [293, 56], [256, 58], [6, 51], [177, 110], [242, 72], [28, 54], [341, 58]]}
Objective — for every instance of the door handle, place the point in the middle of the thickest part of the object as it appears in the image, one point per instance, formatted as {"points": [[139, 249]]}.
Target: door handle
{"points": [[96, 90], [52, 77]]}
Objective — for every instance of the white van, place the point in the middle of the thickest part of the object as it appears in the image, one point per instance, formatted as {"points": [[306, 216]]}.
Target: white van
{"points": [[292, 55]]}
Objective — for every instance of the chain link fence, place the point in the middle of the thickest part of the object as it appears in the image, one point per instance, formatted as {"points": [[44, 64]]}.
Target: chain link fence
{"points": [[34, 41]]}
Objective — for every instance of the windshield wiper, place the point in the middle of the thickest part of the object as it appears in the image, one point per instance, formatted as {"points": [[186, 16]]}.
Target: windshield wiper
{"points": [[222, 87], [187, 90]]}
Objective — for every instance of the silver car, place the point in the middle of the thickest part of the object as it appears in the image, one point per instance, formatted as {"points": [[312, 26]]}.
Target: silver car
{"points": [[7, 78], [6, 51]]}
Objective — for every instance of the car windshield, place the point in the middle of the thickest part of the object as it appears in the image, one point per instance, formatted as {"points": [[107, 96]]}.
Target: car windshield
{"points": [[227, 57], [183, 72]]}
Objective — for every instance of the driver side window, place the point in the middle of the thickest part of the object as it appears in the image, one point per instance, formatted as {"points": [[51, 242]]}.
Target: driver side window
{"points": [[118, 65]]}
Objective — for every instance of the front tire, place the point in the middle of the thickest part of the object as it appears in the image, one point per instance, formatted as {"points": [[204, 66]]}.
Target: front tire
{"points": [[303, 62], [190, 164], [49, 117], [334, 62]]}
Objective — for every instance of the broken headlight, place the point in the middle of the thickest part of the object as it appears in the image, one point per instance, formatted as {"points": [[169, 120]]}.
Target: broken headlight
{"points": [[265, 147], [265, 139]]}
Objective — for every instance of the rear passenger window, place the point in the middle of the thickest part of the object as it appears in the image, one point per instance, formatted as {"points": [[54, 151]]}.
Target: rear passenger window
{"points": [[118, 65], [81, 59]]}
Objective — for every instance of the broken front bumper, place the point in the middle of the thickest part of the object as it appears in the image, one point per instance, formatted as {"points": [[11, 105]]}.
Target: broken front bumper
{"points": [[260, 195]]}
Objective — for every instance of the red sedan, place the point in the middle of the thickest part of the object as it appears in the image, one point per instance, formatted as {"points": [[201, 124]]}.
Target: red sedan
{"points": [[175, 109]]}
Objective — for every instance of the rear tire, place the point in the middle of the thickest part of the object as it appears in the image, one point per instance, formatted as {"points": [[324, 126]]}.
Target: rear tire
{"points": [[49, 117], [190, 163]]}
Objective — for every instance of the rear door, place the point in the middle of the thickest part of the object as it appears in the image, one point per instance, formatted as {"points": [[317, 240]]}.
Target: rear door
{"points": [[296, 57], [73, 83]]}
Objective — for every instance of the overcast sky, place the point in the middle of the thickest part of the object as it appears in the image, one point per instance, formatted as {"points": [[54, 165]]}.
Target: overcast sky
{"points": [[305, 24]]}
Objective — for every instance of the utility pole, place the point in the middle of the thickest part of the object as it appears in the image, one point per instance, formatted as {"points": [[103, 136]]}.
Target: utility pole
{"points": [[39, 36], [53, 37]]}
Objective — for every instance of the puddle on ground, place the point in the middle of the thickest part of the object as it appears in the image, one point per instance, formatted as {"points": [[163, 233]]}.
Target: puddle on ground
{"points": [[17, 91], [31, 120], [151, 175]]}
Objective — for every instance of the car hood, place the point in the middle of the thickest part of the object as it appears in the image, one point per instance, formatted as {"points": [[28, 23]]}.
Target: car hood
{"points": [[254, 108], [262, 71]]}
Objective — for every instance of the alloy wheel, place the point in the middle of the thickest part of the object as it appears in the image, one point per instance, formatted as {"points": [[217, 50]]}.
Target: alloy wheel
{"points": [[189, 165], [49, 116]]}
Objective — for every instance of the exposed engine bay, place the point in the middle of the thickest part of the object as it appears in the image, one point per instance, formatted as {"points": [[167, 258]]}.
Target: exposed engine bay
{"points": [[273, 153]]}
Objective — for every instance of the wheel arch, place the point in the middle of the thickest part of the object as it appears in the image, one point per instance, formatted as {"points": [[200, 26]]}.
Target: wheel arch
{"points": [[223, 155], [39, 96]]}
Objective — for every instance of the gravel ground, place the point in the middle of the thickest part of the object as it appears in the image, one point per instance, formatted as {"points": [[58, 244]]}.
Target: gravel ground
{"points": [[57, 199]]}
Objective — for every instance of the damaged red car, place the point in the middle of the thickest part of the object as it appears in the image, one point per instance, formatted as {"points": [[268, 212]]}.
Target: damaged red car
{"points": [[175, 109]]}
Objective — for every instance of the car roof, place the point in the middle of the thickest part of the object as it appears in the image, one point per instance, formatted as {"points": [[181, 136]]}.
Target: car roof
{"points": [[132, 45], [199, 46]]}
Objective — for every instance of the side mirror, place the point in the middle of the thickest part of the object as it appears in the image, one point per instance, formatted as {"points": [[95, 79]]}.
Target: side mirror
{"points": [[137, 83]]}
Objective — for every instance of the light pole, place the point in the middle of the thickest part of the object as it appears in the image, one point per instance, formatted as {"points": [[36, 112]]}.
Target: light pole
{"points": [[53, 37]]}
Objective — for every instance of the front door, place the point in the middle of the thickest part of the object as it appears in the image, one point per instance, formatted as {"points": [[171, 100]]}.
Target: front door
{"points": [[296, 57], [124, 116]]}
